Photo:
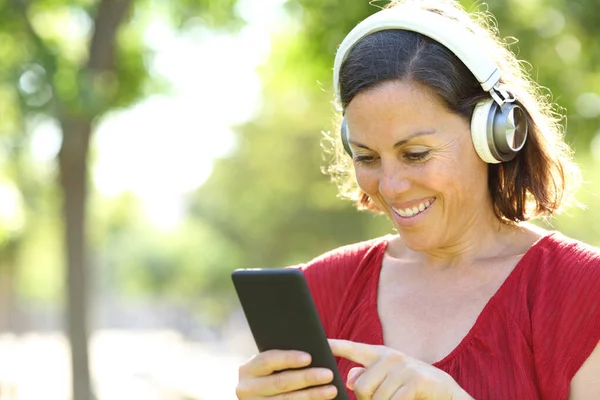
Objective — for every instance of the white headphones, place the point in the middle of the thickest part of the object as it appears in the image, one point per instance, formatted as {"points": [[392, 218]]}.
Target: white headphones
{"points": [[499, 124]]}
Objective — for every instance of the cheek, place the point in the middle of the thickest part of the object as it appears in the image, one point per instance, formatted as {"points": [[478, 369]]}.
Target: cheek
{"points": [[472, 171], [462, 167], [465, 179], [367, 180]]}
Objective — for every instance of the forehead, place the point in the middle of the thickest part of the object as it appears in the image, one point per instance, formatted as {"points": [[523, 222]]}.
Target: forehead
{"points": [[402, 103]]}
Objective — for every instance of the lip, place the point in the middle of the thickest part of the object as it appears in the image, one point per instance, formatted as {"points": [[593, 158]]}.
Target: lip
{"points": [[413, 203], [411, 221]]}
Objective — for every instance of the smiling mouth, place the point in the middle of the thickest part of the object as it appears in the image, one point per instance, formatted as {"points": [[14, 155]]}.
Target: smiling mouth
{"points": [[415, 210]]}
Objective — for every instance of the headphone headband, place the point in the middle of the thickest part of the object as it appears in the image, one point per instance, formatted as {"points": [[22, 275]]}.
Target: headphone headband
{"points": [[460, 41]]}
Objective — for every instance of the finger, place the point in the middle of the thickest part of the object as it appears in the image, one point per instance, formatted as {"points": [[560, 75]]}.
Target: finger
{"points": [[318, 393], [396, 377], [361, 353], [391, 386], [289, 381], [353, 375], [404, 393], [271, 361], [368, 383]]}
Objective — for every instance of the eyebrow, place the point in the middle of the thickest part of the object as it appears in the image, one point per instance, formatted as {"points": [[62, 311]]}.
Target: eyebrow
{"points": [[399, 142]]}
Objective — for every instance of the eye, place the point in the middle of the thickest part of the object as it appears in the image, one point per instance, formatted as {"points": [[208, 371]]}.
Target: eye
{"points": [[364, 159], [416, 156]]}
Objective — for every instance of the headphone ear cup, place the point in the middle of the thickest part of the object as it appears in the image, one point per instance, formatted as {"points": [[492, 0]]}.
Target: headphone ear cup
{"points": [[498, 132], [509, 130], [479, 131], [344, 135]]}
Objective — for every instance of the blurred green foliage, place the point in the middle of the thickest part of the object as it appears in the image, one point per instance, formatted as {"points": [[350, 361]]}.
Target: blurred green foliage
{"points": [[49, 76], [266, 204]]}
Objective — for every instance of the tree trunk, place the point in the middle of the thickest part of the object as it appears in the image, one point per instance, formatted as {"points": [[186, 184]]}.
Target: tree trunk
{"points": [[77, 131], [73, 174], [7, 298]]}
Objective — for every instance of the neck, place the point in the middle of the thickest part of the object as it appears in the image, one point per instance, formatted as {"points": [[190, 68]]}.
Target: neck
{"points": [[483, 236]]}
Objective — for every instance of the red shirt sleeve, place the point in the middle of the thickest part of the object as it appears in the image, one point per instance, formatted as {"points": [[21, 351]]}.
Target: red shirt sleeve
{"points": [[565, 313]]}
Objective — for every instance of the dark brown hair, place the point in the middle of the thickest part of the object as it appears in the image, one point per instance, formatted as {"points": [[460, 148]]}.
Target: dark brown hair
{"points": [[537, 182]]}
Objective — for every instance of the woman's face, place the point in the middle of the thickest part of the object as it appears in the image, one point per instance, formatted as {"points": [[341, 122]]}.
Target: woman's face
{"points": [[415, 160]]}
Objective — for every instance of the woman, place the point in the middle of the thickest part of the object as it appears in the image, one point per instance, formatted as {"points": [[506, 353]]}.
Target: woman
{"points": [[468, 301]]}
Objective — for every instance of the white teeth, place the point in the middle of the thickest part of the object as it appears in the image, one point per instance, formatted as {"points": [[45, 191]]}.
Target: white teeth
{"points": [[410, 212]]}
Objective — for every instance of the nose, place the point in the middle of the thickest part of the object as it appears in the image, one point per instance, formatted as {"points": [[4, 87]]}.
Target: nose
{"points": [[393, 180]]}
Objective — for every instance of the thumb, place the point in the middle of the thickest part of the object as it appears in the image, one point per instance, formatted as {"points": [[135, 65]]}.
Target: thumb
{"points": [[353, 375]]}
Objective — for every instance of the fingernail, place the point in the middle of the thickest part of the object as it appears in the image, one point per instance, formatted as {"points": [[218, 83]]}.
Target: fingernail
{"points": [[350, 384], [352, 374], [305, 358]]}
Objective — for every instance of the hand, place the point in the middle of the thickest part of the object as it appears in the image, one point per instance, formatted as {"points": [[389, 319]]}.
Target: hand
{"points": [[389, 374], [259, 378]]}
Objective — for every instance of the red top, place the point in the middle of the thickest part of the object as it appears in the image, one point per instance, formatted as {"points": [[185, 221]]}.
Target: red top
{"points": [[531, 338]]}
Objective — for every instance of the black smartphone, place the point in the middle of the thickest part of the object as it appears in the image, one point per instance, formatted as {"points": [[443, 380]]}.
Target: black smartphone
{"points": [[282, 315]]}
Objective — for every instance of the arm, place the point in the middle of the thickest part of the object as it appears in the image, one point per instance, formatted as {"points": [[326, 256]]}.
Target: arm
{"points": [[585, 385]]}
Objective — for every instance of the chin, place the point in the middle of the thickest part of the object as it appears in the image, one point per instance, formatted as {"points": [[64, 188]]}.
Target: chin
{"points": [[419, 243]]}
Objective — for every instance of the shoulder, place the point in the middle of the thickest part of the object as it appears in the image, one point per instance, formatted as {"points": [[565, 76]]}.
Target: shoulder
{"points": [[344, 260], [562, 268], [330, 276], [562, 253], [556, 253], [561, 242]]}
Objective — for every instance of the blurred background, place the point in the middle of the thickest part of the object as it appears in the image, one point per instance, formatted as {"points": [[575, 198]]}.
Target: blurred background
{"points": [[150, 147]]}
